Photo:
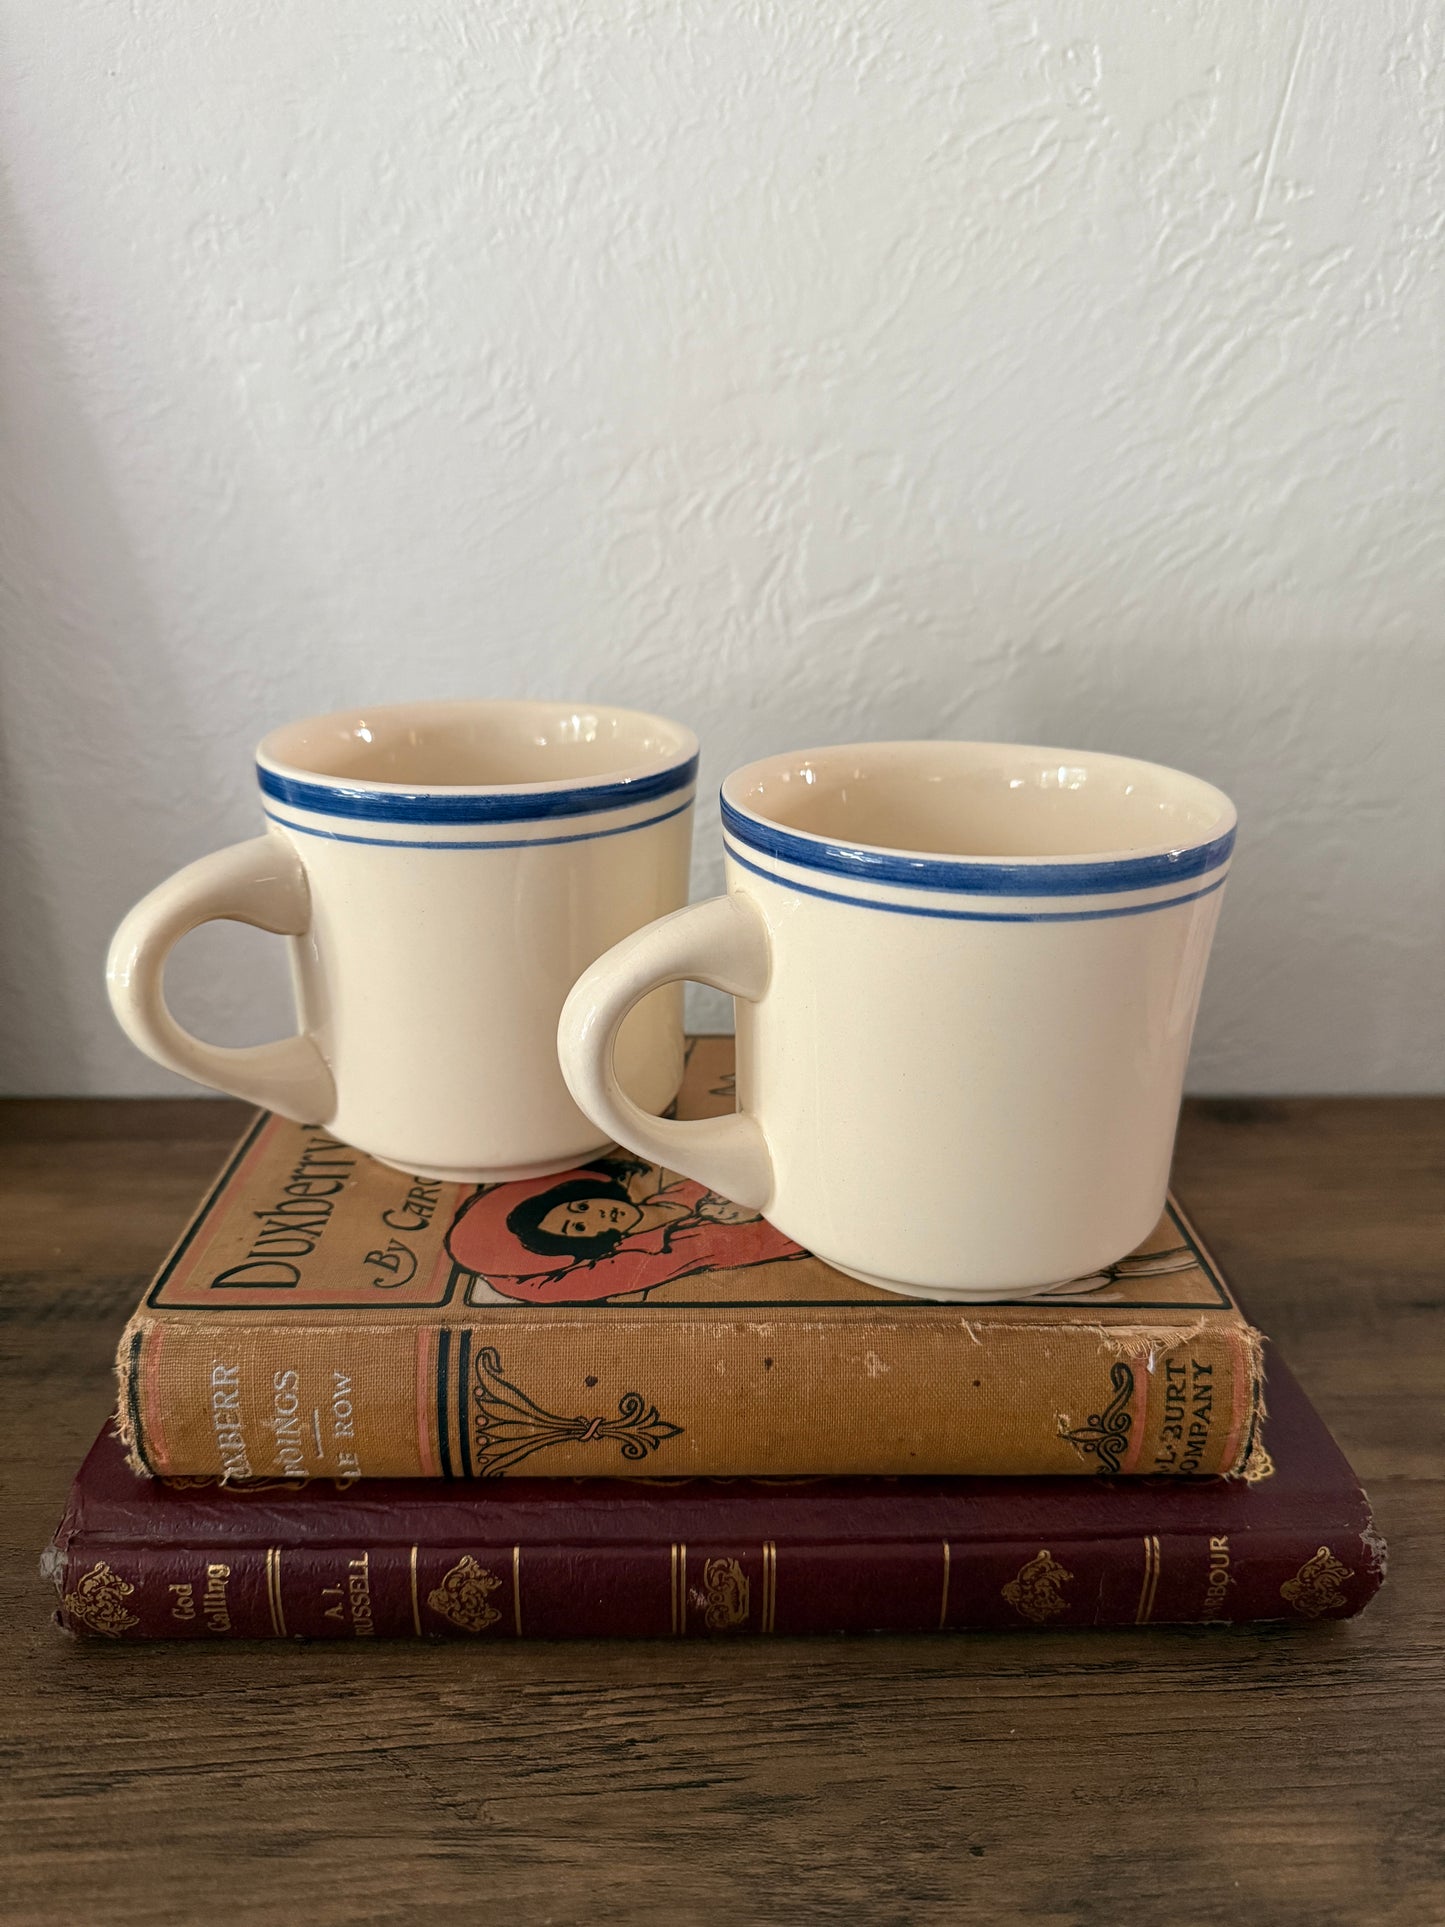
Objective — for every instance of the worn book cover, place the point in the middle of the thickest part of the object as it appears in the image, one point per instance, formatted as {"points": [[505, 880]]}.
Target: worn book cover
{"points": [[324, 1315], [189, 1558]]}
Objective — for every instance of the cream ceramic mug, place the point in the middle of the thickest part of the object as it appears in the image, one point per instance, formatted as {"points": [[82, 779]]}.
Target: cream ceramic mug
{"points": [[444, 871], [966, 979]]}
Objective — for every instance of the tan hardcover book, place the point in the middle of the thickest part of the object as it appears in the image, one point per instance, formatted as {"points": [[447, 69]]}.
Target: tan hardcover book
{"points": [[326, 1316]]}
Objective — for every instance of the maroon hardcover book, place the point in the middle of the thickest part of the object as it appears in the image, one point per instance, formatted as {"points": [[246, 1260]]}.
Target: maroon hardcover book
{"points": [[180, 1558]]}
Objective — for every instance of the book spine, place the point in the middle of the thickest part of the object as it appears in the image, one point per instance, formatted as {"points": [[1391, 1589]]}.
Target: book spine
{"points": [[572, 1396], [561, 1591]]}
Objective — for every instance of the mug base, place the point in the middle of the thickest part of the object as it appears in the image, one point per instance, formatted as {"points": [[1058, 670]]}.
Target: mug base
{"points": [[508, 1174], [981, 1295]]}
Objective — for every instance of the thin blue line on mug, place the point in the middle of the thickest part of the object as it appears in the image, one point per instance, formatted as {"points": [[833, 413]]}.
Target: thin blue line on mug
{"points": [[492, 843], [462, 806], [974, 916], [1089, 877]]}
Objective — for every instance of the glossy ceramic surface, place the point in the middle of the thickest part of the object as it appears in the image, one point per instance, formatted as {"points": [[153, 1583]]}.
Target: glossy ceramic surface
{"points": [[967, 976], [444, 871]]}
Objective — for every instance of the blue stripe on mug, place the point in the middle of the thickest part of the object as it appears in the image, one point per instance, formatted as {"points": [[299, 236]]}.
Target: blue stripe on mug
{"points": [[1088, 877], [973, 916], [469, 843], [492, 806]]}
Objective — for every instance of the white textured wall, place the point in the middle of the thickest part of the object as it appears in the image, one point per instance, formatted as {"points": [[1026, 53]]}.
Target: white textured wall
{"points": [[1068, 371]]}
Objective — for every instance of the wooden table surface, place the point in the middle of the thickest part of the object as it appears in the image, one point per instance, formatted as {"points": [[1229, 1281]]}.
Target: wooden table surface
{"points": [[1174, 1775]]}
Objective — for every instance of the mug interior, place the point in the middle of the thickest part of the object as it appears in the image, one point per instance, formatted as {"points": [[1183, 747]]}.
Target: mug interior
{"points": [[982, 800], [477, 745]]}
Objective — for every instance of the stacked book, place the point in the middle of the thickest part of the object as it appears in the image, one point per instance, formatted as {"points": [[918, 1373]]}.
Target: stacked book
{"points": [[359, 1405]]}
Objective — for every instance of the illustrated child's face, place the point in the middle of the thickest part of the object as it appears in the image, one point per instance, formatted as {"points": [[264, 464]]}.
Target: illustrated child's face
{"points": [[587, 1217]]}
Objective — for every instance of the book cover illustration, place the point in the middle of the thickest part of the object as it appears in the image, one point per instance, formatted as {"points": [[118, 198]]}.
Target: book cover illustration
{"points": [[614, 1229]]}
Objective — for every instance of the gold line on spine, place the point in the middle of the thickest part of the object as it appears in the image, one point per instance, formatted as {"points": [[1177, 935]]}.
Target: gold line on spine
{"points": [[517, 1589], [415, 1602], [1150, 1581], [1141, 1611], [681, 1589], [770, 1584], [943, 1604], [672, 1594], [273, 1591]]}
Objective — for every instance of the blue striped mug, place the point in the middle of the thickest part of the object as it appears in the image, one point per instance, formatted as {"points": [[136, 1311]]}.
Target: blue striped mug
{"points": [[966, 977], [443, 872]]}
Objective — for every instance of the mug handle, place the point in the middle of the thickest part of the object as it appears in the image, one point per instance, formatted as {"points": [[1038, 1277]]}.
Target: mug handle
{"points": [[722, 942], [262, 883]]}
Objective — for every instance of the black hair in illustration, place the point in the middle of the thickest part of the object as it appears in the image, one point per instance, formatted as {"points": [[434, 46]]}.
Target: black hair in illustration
{"points": [[524, 1220]]}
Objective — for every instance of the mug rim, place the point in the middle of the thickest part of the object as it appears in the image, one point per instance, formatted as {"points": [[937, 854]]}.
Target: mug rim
{"points": [[1104, 871], [288, 781]]}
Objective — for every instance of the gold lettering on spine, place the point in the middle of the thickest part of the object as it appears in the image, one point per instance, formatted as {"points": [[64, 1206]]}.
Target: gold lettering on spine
{"points": [[1220, 1577], [943, 1603], [273, 1591], [214, 1603], [1150, 1582], [358, 1588], [415, 1602], [517, 1589]]}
